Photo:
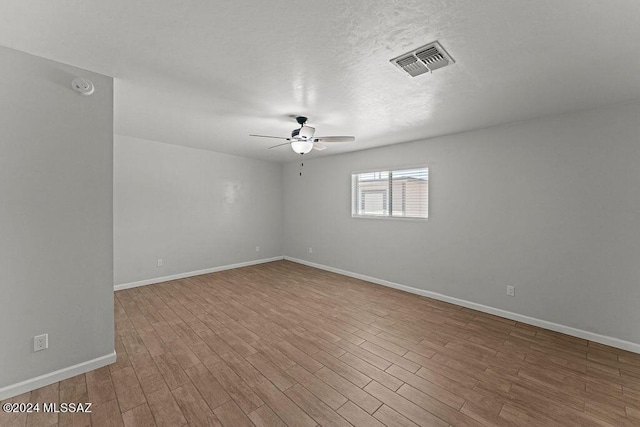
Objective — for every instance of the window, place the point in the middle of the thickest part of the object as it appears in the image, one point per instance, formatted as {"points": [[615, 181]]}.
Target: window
{"points": [[400, 193]]}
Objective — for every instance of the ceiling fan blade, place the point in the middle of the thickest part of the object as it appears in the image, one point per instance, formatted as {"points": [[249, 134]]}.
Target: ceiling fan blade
{"points": [[274, 137], [319, 146], [279, 145], [306, 132], [332, 139]]}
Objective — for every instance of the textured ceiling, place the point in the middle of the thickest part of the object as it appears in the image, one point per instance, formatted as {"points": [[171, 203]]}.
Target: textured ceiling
{"points": [[205, 74]]}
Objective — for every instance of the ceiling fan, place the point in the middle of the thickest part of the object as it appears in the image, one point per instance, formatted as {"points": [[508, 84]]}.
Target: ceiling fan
{"points": [[302, 140]]}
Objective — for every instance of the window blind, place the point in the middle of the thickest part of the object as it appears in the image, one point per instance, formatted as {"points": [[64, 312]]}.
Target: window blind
{"points": [[402, 193]]}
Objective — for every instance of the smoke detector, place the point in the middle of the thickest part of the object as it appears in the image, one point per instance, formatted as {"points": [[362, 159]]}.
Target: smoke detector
{"points": [[429, 57], [82, 86]]}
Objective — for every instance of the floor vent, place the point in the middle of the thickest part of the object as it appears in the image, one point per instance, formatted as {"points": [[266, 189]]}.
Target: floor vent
{"points": [[426, 58]]}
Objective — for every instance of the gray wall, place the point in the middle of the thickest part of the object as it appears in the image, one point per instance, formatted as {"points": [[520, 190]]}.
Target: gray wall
{"points": [[56, 244], [550, 206], [193, 209]]}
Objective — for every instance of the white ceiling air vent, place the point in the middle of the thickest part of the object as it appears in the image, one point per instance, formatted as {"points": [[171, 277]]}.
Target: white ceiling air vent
{"points": [[426, 58]]}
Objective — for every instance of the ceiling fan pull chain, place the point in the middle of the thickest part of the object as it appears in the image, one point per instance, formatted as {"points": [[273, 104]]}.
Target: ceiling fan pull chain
{"points": [[301, 163]]}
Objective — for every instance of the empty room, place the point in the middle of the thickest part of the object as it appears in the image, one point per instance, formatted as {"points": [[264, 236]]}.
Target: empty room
{"points": [[330, 213]]}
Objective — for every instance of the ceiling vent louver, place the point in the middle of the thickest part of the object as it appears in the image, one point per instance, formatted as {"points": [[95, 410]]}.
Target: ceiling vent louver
{"points": [[426, 58]]}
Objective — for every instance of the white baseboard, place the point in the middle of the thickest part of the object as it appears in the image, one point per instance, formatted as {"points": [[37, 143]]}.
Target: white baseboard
{"points": [[193, 273], [579, 333], [54, 377]]}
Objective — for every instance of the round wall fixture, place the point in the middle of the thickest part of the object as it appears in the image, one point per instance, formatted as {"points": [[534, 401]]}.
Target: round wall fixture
{"points": [[82, 86]]}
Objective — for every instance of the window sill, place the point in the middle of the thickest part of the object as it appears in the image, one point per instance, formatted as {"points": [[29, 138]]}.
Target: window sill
{"points": [[387, 218]]}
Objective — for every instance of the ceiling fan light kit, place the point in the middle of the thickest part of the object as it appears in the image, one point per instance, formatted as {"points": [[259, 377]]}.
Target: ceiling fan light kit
{"points": [[301, 146]]}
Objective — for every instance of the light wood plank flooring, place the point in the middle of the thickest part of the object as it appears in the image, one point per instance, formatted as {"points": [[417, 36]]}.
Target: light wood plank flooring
{"points": [[283, 344]]}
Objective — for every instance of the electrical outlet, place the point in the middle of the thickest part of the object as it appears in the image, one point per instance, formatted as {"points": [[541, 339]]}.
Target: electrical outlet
{"points": [[40, 342], [511, 291], [310, 250], [160, 262], [257, 248]]}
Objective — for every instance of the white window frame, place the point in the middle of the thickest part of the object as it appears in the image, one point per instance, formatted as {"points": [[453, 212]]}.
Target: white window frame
{"points": [[389, 198]]}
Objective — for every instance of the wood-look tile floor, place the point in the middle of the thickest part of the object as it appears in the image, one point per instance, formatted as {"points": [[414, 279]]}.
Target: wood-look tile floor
{"points": [[284, 344]]}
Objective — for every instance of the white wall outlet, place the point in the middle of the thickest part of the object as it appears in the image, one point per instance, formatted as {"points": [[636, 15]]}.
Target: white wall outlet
{"points": [[310, 250], [511, 291], [160, 262], [40, 342], [257, 248]]}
